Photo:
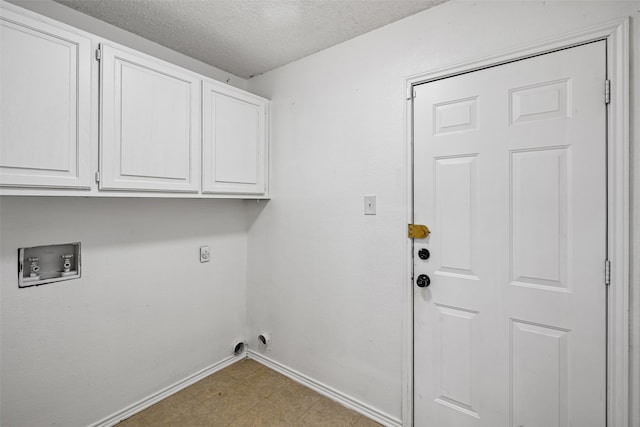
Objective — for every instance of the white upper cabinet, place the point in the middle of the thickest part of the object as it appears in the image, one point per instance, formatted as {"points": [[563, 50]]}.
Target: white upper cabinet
{"points": [[234, 146], [150, 130], [130, 125], [45, 104]]}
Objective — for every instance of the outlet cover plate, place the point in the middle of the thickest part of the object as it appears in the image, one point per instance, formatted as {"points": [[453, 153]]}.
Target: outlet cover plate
{"points": [[205, 254]]}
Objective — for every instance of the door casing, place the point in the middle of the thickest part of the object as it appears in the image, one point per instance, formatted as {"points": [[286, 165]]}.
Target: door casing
{"points": [[616, 34]]}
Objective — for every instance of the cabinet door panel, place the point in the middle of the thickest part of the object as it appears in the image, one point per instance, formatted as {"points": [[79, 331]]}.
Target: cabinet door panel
{"points": [[45, 105], [234, 142], [151, 124]]}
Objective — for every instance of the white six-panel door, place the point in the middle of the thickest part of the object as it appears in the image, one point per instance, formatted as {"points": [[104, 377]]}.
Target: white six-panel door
{"points": [[45, 111], [150, 130], [510, 176]]}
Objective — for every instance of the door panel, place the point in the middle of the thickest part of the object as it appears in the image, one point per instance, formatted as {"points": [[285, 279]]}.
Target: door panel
{"points": [[510, 176], [539, 222], [538, 365], [455, 193], [455, 366]]}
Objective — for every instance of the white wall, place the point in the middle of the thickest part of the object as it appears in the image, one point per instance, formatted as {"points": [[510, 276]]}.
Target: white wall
{"points": [[324, 279], [144, 315]]}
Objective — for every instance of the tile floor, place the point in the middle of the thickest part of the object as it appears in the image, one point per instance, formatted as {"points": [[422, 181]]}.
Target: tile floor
{"points": [[247, 394]]}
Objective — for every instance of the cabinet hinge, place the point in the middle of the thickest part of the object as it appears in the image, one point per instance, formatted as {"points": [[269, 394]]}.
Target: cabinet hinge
{"points": [[607, 91], [98, 54], [98, 176], [607, 272]]}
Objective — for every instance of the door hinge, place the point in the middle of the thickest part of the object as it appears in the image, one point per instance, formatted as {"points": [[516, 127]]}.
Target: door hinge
{"points": [[411, 93], [607, 272], [98, 54], [607, 91], [98, 176], [418, 231]]}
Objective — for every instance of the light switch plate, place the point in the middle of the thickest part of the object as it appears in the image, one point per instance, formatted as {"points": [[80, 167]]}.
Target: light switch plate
{"points": [[370, 204], [205, 254]]}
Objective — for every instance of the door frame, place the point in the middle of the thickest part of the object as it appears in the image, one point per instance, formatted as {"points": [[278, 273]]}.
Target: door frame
{"points": [[616, 34]]}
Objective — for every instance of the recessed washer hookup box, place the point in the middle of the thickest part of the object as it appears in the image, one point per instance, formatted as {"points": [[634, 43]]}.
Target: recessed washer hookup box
{"points": [[38, 265]]}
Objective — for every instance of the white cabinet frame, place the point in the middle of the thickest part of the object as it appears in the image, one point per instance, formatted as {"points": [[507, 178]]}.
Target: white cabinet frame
{"points": [[72, 134], [40, 105], [123, 162], [234, 143]]}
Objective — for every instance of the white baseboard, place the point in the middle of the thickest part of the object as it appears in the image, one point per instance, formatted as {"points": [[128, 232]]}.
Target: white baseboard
{"points": [[129, 411], [325, 390]]}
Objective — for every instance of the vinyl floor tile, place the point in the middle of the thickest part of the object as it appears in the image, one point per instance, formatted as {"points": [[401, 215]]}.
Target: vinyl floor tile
{"points": [[266, 382], [247, 394], [205, 389], [296, 398], [204, 416], [265, 414], [233, 401], [164, 412], [136, 421], [244, 368], [326, 412], [366, 422]]}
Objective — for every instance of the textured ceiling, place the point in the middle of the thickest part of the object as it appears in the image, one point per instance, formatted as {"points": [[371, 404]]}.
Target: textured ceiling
{"points": [[249, 37]]}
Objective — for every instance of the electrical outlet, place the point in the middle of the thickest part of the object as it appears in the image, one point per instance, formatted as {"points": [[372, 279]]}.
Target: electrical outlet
{"points": [[370, 204], [205, 254]]}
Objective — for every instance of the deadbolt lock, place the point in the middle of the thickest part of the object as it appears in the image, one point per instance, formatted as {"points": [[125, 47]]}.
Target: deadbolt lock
{"points": [[418, 231]]}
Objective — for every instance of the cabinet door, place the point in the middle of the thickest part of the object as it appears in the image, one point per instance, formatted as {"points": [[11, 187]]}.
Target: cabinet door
{"points": [[150, 134], [45, 86], [234, 141]]}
